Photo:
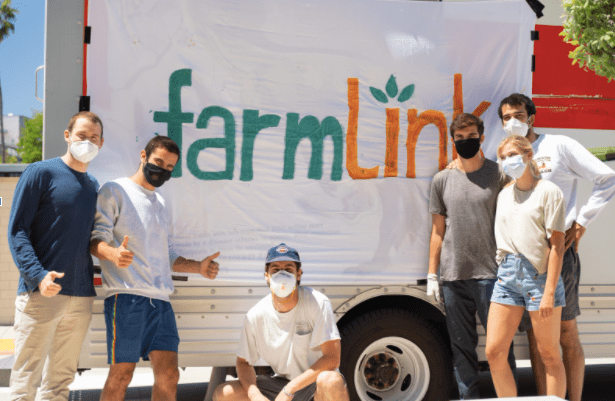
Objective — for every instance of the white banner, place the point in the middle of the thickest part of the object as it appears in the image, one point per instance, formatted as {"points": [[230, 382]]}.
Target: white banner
{"points": [[299, 120]]}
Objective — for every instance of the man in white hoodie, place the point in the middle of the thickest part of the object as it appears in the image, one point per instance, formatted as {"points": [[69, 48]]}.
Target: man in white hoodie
{"points": [[294, 331], [130, 237], [563, 161]]}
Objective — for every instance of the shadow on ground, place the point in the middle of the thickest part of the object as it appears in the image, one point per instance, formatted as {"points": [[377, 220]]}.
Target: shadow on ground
{"points": [[599, 383], [599, 386], [185, 392]]}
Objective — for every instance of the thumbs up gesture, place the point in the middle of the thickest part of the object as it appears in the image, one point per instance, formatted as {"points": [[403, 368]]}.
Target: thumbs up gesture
{"points": [[47, 287], [123, 257], [209, 267]]}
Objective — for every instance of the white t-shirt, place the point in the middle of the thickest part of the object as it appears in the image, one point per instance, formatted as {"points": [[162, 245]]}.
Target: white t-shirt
{"points": [[288, 342], [126, 208], [525, 220], [562, 160]]}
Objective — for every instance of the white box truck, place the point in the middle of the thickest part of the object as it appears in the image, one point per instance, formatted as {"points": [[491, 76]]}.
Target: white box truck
{"points": [[316, 123]]}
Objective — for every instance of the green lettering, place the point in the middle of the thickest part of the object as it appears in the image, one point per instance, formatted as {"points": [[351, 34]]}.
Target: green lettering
{"points": [[174, 117], [310, 128], [252, 125], [227, 142]]}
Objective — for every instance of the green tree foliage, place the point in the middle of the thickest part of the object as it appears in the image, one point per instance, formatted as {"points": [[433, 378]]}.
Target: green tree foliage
{"points": [[590, 25], [30, 146], [7, 17]]}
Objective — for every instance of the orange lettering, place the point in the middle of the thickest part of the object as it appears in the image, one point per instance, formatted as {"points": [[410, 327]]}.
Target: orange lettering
{"points": [[415, 126], [352, 164], [458, 104], [390, 161]]}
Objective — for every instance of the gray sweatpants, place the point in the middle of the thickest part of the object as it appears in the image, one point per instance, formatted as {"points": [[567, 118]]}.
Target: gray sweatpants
{"points": [[49, 332]]}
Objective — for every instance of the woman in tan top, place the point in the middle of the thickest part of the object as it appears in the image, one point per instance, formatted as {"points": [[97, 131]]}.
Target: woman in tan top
{"points": [[529, 233]]}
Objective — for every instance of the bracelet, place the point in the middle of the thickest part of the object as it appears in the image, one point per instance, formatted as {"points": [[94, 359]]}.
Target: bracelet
{"points": [[287, 393]]}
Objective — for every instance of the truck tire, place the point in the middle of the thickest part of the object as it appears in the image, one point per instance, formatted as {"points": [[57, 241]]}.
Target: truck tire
{"points": [[394, 355]]}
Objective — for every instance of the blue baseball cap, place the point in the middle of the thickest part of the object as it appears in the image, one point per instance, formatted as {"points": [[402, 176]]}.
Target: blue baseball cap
{"points": [[281, 253]]}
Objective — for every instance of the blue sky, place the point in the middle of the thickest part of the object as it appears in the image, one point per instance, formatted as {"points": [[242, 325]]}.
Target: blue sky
{"points": [[20, 54]]}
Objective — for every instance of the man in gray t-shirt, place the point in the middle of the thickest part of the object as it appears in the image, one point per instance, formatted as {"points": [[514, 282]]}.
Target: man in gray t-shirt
{"points": [[462, 245], [137, 275]]}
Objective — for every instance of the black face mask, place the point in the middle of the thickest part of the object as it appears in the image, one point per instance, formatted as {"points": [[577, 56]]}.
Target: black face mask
{"points": [[467, 148], [163, 175]]}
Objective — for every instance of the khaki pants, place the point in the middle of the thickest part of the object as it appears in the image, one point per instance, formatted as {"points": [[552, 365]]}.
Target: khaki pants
{"points": [[48, 337]]}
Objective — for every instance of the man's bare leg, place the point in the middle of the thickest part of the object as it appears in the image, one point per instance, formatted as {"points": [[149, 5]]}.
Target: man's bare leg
{"points": [[120, 375], [330, 386], [230, 391], [540, 376], [166, 375], [574, 359], [573, 356]]}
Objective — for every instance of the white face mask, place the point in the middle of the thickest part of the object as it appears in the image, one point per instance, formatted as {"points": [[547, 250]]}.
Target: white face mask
{"points": [[282, 283], [516, 127], [514, 166], [84, 151]]}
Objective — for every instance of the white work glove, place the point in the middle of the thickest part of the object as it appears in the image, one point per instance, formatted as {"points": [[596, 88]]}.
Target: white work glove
{"points": [[433, 287]]}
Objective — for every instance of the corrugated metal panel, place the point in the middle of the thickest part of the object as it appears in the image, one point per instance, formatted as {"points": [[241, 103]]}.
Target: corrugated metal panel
{"points": [[209, 320]]}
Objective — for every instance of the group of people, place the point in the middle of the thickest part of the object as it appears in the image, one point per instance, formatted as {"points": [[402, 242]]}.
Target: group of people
{"points": [[504, 239], [59, 218]]}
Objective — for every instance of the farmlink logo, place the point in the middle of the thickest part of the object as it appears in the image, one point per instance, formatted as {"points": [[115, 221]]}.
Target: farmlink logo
{"points": [[309, 127]]}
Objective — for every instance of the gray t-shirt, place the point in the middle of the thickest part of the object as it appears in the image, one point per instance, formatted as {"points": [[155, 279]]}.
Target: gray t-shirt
{"points": [[126, 208], [468, 202]]}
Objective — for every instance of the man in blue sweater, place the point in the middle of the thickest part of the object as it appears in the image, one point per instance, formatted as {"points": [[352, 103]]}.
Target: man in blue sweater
{"points": [[49, 234]]}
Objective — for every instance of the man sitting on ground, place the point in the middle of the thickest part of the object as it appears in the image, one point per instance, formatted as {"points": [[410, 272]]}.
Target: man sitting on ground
{"points": [[294, 331]]}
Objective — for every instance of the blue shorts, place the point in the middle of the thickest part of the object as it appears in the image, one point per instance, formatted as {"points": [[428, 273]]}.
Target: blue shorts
{"points": [[137, 325], [520, 284]]}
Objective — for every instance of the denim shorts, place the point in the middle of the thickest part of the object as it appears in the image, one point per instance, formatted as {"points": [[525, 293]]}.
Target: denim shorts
{"points": [[520, 284]]}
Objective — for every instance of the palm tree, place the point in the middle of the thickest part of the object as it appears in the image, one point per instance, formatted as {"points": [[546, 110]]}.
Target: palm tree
{"points": [[7, 17]]}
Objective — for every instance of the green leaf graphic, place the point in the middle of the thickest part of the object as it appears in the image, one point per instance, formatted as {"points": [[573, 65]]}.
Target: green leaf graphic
{"points": [[406, 93], [379, 95], [391, 87]]}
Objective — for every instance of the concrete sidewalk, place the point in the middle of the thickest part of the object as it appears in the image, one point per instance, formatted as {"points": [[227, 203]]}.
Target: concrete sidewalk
{"points": [[88, 385], [193, 381]]}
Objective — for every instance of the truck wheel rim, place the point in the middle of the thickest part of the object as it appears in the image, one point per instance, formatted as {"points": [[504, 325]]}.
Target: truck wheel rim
{"points": [[392, 368]]}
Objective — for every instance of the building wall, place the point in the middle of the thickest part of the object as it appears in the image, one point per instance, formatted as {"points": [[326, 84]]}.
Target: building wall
{"points": [[12, 130], [9, 275]]}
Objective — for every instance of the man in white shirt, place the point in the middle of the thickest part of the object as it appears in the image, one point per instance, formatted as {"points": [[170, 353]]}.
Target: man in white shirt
{"points": [[563, 160], [293, 330]]}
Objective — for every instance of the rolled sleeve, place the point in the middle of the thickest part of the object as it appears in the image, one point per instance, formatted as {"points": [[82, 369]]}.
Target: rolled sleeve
{"points": [[555, 216], [106, 215], [325, 328], [172, 257], [436, 202]]}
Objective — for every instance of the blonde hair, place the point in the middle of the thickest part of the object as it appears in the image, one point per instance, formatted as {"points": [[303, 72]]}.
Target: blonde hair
{"points": [[523, 144]]}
